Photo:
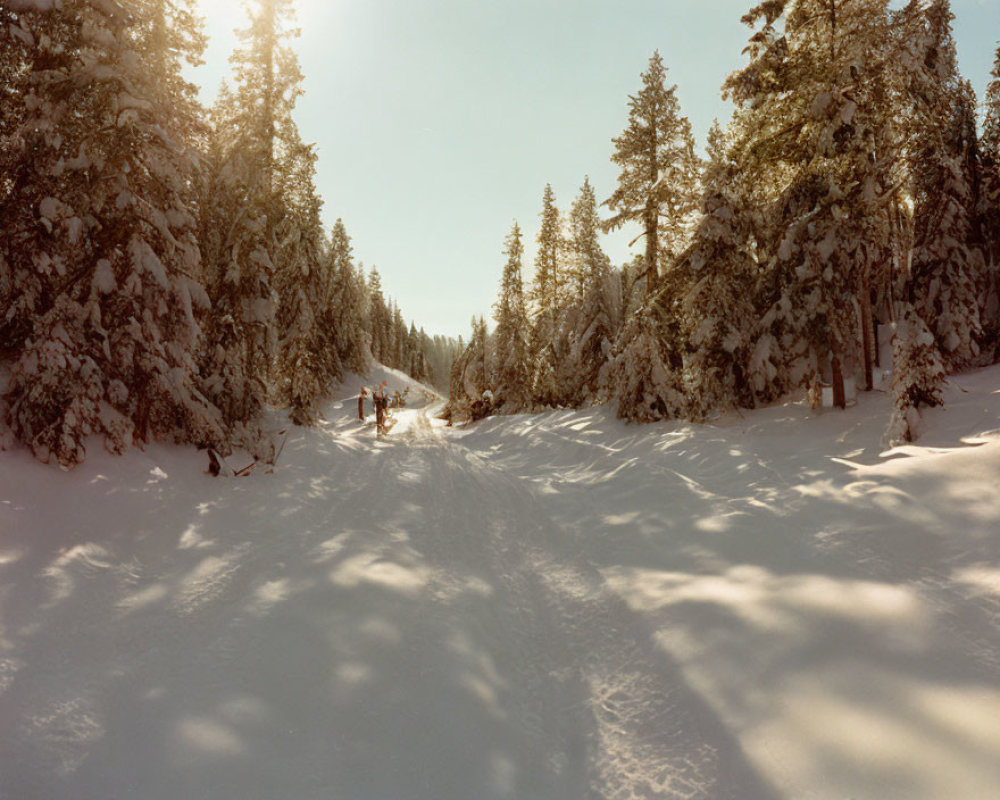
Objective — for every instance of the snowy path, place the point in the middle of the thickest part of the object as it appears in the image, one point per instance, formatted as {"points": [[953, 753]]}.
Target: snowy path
{"points": [[552, 606], [385, 620]]}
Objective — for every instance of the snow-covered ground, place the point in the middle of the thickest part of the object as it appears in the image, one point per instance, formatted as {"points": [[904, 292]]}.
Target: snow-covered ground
{"points": [[554, 606]]}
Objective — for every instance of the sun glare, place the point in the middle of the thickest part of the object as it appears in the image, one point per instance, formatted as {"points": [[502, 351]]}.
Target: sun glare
{"points": [[233, 12]]}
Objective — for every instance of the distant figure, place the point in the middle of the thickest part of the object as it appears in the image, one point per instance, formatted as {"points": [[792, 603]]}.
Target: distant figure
{"points": [[381, 401], [361, 403]]}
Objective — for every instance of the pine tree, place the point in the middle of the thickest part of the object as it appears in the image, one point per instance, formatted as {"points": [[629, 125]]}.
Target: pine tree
{"points": [[347, 321], [399, 338], [646, 388], [990, 146], [443, 352], [721, 316], [659, 172], [817, 108], [262, 206], [593, 317], [918, 377], [380, 319], [989, 209], [241, 328], [102, 269], [21, 285], [308, 366], [657, 188], [470, 374], [948, 273], [547, 294], [513, 391]]}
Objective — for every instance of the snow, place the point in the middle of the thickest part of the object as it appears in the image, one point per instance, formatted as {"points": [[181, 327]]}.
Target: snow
{"points": [[104, 277], [538, 606]]}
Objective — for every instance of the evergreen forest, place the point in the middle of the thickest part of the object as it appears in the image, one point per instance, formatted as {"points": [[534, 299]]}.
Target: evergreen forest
{"points": [[841, 230], [165, 274]]}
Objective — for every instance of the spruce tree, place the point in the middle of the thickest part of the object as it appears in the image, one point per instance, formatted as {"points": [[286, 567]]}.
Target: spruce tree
{"points": [[262, 207], [240, 340], [918, 377], [948, 273], [470, 373], [513, 391], [989, 211], [548, 293], [719, 309], [100, 262], [656, 188], [645, 386], [308, 366], [380, 319], [347, 315], [817, 108], [659, 172], [592, 318], [990, 194]]}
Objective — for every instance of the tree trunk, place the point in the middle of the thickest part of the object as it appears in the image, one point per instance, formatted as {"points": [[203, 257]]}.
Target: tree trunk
{"points": [[839, 395], [867, 334], [652, 268]]}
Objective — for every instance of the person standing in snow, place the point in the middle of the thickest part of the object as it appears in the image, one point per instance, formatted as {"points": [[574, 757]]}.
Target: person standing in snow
{"points": [[361, 403], [381, 400]]}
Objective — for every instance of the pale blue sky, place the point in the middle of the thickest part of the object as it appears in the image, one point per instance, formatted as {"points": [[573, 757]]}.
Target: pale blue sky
{"points": [[439, 122]]}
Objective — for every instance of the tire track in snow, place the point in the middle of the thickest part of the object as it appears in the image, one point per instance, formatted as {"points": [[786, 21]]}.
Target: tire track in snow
{"points": [[498, 637], [596, 673]]}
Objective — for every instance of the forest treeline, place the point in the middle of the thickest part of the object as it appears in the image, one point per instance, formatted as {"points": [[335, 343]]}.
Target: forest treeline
{"points": [[851, 199], [164, 270]]}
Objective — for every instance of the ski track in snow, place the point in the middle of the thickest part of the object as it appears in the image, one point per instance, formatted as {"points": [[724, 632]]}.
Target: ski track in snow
{"points": [[552, 606]]}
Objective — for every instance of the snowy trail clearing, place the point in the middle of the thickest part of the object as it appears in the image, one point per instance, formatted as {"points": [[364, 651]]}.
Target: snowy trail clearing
{"points": [[380, 619], [550, 606]]}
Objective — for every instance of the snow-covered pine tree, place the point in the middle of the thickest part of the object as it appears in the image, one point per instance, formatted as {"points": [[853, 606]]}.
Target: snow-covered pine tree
{"points": [[547, 294], [176, 39], [347, 311], [990, 152], [454, 370], [443, 351], [592, 317], [918, 376], [400, 337], [657, 187], [947, 279], [415, 361], [816, 105], [308, 366], [98, 237], [990, 208], [240, 341], [261, 222], [645, 386], [513, 376], [21, 286], [380, 319], [721, 317], [470, 373]]}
